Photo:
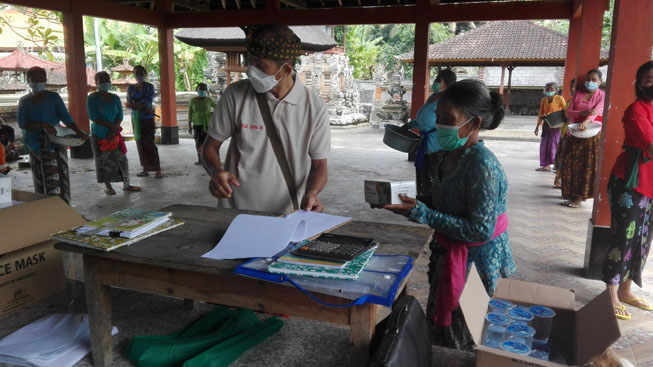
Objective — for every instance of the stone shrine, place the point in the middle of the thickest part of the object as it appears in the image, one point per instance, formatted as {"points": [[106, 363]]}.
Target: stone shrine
{"points": [[394, 109]]}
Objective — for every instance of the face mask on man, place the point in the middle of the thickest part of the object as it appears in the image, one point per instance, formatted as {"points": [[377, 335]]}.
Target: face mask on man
{"points": [[591, 86], [550, 94], [37, 87], [104, 87], [648, 92], [262, 81], [202, 93], [448, 136]]}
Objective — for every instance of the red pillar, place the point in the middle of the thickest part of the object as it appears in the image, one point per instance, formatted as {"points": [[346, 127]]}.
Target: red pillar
{"points": [[589, 42], [421, 58], [73, 29], [630, 46], [571, 61], [169, 128]]}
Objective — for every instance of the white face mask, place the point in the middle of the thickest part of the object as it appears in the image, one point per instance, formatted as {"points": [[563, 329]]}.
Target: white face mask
{"points": [[262, 81]]}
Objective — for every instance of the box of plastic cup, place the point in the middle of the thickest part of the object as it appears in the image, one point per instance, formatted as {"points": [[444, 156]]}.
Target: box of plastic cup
{"points": [[576, 335], [383, 192]]}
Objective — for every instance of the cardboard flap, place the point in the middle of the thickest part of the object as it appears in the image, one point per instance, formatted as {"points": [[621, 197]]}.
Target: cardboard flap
{"points": [[473, 303], [34, 221], [535, 294], [596, 328]]}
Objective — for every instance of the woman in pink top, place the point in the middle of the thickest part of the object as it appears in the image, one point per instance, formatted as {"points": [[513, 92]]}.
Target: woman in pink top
{"points": [[580, 157]]}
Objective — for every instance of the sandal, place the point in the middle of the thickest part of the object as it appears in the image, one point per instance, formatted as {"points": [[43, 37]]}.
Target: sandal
{"points": [[638, 302], [557, 186], [142, 174], [110, 191], [570, 204], [132, 188], [543, 169], [621, 313], [159, 175]]}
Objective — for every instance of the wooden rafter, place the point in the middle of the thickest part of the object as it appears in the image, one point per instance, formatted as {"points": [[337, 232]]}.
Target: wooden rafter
{"points": [[297, 4], [192, 5], [253, 2], [238, 4]]}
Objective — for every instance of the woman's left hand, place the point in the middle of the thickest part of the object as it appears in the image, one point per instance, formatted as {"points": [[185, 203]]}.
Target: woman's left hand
{"points": [[584, 125], [403, 209]]}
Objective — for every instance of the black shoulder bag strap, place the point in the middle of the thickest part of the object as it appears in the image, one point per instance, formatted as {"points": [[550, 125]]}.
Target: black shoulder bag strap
{"points": [[277, 147]]}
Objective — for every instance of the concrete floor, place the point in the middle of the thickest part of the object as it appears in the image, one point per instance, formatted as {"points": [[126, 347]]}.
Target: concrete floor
{"points": [[548, 243]]}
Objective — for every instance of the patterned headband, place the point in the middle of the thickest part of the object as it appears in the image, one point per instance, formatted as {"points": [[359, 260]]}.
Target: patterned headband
{"points": [[270, 47]]}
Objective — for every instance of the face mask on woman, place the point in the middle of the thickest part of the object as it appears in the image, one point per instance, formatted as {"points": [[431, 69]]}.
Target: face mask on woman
{"points": [[262, 81], [448, 136], [435, 87], [139, 79], [648, 91], [37, 87], [104, 87], [550, 94], [202, 93], [591, 86]]}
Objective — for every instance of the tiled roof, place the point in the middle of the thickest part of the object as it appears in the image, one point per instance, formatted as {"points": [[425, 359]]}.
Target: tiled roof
{"points": [[517, 42], [20, 60]]}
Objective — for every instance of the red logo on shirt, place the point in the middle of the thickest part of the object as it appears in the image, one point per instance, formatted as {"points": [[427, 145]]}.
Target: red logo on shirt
{"points": [[251, 126]]}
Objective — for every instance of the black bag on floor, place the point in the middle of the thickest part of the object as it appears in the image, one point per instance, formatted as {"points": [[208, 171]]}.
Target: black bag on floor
{"points": [[403, 338]]}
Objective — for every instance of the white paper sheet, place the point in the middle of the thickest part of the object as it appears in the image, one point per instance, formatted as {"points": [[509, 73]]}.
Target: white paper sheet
{"points": [[317, 223], [257, 236], [57, 340]]}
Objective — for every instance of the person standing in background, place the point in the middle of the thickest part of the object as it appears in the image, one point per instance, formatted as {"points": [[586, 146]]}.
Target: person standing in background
{"points": [[199, 113], [550, 136], [139, 99]]}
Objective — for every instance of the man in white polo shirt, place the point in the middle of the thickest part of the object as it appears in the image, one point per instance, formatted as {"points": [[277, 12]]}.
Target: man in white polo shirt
{"points": [[252, 177]]}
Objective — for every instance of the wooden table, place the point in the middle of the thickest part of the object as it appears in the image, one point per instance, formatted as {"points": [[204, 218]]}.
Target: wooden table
{"points": [[169, 264]]}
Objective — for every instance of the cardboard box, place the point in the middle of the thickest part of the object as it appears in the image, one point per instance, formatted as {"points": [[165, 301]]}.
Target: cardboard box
{"points": [[30, 268], [383, 192], [576, 335]]}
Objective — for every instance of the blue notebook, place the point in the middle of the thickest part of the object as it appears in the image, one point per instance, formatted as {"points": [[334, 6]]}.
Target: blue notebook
{"points": [[378, 282]]}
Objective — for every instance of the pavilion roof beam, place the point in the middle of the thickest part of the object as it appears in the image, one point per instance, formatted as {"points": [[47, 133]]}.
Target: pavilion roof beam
{"points": [[512, 10], [121, 12], [192, 5]]}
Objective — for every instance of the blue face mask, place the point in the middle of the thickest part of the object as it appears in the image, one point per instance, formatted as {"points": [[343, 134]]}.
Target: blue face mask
{"points": [[448, 136], [550, 94], [591, 86], [37, 87], [104, 87], [202, 93]]}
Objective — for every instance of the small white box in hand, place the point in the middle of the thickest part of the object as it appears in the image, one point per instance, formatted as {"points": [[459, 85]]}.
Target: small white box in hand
{"points": [[5, 189], [383, 192]]}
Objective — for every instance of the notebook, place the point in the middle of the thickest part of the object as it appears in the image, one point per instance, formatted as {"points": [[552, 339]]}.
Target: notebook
{"points": [[105, 243], [351, 270], [127, 223]]}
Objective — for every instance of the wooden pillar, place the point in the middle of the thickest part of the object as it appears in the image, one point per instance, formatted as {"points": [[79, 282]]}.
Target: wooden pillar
{"points": [[510, 69], [571, 61], [627, 53], [169, 128], [589, 43], [503, 75], [421, 58], [73, 29]]}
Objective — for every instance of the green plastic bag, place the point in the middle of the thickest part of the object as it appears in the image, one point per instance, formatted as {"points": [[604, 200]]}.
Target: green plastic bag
{"points": [[219, 325]]}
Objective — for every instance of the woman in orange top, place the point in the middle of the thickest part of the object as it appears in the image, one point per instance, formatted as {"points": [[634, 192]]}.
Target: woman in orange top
{"points": [[549, 143]]}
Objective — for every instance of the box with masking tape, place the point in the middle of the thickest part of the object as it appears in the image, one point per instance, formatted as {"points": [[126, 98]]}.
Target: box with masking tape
{"points": [[383, 192]]}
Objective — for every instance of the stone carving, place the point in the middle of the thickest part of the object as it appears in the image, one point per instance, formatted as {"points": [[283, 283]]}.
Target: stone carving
{"points": [[214, 74], [394, 109]]}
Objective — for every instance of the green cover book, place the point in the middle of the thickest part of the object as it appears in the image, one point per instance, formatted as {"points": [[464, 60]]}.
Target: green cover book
{"points": [[351, 270], [127, 223]]}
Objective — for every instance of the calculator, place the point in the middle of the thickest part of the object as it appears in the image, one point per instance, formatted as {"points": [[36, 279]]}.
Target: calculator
{"points": [[333, 247]]}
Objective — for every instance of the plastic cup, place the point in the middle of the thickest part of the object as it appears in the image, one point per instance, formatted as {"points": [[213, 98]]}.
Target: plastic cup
{"points": [[520, 316], [517, 348], [542, 323], [495, 333], [541, 352], [500, 306], [521, 332]]}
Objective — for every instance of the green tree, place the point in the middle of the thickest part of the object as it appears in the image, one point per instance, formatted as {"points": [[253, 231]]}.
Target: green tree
{"points": [[40, 33], [363, 51]]}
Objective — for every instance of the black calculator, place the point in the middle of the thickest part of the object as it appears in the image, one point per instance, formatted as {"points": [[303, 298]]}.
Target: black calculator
{"points": [[333, 247]]}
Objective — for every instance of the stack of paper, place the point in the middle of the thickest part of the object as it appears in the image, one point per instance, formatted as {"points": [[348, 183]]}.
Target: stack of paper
{"points": [[127, 223], [350, 270]]}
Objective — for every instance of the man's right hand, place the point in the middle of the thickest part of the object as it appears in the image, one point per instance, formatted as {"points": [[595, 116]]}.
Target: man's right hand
{"points": [[221, 184]]}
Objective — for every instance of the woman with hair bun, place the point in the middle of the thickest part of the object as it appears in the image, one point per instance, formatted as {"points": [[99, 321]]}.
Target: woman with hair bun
{"points": [[467, 208]]}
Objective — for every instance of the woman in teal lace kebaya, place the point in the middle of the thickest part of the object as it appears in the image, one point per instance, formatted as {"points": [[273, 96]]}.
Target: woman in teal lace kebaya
{"points": [[468, 209]]}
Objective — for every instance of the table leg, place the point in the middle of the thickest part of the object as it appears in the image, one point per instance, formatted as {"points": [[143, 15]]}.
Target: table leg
{"points": [[362, 320], [190, 304], [98, 303]]}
